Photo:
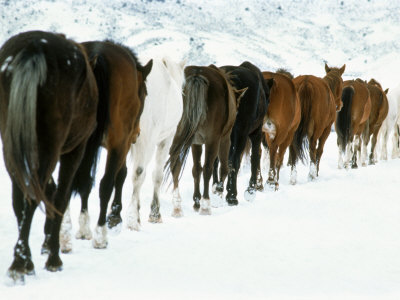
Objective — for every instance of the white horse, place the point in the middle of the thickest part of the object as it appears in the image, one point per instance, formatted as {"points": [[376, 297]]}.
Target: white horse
{"points": [[161, 115], [391, 125]]}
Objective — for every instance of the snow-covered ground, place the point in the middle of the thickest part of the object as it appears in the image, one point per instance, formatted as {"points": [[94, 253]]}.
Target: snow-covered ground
{"points": [[335, 238]]}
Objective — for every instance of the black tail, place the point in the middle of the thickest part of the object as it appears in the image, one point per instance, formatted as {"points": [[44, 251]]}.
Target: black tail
{"points": [[85, 175], [343, 118], [194, 114]]}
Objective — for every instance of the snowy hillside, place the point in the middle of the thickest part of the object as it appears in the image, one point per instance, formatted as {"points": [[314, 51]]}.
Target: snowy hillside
{"points": [[336, 238]]}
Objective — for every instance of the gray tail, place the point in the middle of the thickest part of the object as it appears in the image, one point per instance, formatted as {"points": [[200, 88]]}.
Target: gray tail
{"points": [[194, 114], [29, 71]]}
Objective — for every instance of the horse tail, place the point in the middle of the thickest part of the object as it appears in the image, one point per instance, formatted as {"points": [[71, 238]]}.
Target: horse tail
{"points": [[21, 154], [343, 120], [193, 115], [85, 175], [300, 139]]}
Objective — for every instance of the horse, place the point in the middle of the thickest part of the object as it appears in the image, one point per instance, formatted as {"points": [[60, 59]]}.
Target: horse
{"points": [[351, 124], [48, 106], [209, 110], [391, 125], [121, 81], [320, 100], [379, 111], [158, 124], [248, 124], [280, 123]]}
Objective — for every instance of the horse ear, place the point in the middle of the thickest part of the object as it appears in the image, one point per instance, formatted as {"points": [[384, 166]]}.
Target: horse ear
{"points": [[386, 91], [239, 95], [147, 68], [342, 69], [327, 69], [212, 66]]}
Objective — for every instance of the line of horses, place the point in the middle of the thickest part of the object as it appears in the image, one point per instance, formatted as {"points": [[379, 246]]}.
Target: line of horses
{"points": [[60, 101]]}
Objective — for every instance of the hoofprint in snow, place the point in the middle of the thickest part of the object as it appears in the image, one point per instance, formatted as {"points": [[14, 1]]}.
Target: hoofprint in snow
{"points": [[334, 238]]}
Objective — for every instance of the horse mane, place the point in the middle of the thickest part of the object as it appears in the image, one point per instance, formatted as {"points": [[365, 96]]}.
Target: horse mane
{"points": [[285, 72], [372, 81]]}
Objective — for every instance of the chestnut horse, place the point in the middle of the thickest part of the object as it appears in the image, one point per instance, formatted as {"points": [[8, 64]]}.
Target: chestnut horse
{"points": [[379, 111], [351, 122], [320, 99], [280, 123], [48, 103], [209, 110], [122, 90]]}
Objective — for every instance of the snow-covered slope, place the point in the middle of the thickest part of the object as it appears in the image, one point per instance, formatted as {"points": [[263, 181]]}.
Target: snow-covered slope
{"points": [[336, 238]]}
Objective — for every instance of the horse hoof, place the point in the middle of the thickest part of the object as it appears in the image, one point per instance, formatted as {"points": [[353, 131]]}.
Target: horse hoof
{"points": [[54, 263], [196, 206], [232, 202], [155, 218], [177, 213], [218, 188], [16, 277], [113, 220], [250, 194], [83, 235], [205, 211]]}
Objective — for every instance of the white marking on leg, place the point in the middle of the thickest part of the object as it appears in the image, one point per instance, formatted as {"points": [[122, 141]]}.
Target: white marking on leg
{"points": [[293, 176], [133, 216], [65, 233], [313, 171], [177, 203], [84, 232], [205, 206], [100, 240]]}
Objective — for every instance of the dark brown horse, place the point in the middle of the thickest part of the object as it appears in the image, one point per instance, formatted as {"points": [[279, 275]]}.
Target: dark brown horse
{"points": [[48, 102], [122, 90], [320, 99], [280, 123], [352, 123], [209, 110], [379, 111]]}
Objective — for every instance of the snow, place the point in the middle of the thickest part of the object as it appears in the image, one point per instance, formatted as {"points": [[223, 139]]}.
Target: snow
{"points": [[334, 238]]}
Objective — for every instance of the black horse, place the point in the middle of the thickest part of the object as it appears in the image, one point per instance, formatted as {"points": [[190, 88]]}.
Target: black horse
{"points": [[249, 121], [48, 103]]}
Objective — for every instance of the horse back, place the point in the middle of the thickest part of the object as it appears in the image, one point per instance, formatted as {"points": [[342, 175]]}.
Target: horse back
{"points": [[253, 106], [284, 106], [120, 90]]}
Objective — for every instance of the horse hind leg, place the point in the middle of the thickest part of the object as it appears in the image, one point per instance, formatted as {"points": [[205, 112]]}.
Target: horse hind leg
{"points": [[68, 165], [196, 172], [22, 264], [256, 181], [161, 155], [115, 159], [114, 219], [211, 151], [321, 144]]}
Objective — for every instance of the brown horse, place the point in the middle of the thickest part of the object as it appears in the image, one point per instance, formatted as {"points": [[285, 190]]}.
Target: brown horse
{"points": [[122, 90], [320, 99], [209, 111], [351, 123], [379, 111], [48, 102], [280, 123]]}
